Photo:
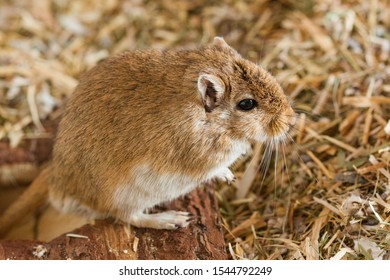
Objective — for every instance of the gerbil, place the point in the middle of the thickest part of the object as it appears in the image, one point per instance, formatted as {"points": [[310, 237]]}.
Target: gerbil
{"points": [[146, 127]]}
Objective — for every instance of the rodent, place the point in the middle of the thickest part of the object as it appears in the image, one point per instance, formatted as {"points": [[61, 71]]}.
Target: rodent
{"points": [[146, 127]]}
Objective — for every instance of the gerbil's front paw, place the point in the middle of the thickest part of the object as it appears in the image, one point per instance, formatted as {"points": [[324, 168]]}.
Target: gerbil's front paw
{"points": [[164, 220], [226, 175]]}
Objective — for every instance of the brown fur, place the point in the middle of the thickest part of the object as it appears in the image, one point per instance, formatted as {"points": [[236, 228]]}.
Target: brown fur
{"points": [[142, 108]]}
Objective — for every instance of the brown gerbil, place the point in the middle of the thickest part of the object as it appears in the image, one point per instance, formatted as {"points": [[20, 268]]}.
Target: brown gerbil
{"points": [[146, 127]]}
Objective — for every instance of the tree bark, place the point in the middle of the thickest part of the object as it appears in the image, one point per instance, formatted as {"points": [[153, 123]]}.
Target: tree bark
{"points": [[107, 240]]}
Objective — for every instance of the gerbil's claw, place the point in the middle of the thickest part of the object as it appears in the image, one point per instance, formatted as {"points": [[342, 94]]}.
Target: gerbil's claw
{"points": [[191, 218], [231, 181], [226, 175], [234, 179]]}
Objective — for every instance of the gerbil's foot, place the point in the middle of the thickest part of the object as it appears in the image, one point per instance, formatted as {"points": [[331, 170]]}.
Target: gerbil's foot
{"points": [[226, 175], [164, 220]]}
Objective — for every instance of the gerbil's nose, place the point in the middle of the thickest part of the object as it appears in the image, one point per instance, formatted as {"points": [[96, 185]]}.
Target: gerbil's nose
{"points": [[292, 120]]}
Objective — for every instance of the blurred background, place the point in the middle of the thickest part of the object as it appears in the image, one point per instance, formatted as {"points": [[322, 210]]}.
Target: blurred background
{"points": [[328, 194]]}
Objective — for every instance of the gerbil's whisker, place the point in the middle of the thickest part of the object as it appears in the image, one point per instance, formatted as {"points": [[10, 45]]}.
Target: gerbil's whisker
{"points": [[289, 181], [265, 161], [276, 163], [261, 164], [285, 160]]}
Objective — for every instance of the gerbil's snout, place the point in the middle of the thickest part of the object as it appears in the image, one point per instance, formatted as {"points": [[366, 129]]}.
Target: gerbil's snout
{"points": [[280, 124], [291, 117]]}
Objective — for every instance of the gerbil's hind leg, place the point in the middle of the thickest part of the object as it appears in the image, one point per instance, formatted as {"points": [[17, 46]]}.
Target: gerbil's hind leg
{"points": [[164, 220]]}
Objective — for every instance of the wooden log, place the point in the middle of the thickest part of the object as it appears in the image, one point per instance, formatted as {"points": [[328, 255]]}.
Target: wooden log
{"points": [[103, 241], [107, 240]]}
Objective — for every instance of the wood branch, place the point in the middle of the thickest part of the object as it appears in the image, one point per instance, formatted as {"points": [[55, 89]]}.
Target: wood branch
{"points": [[105, 239]]}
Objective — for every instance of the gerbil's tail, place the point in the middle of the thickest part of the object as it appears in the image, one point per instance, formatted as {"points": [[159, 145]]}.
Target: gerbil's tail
{"points": [[34, 197]]}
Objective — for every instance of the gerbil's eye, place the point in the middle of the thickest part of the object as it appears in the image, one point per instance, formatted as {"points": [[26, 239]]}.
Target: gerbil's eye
{"points": [[247, 104]]}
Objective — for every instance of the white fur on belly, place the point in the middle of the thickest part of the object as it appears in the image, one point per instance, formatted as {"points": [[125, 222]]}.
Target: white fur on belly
{"points": [[147, 188], [73, 206]]}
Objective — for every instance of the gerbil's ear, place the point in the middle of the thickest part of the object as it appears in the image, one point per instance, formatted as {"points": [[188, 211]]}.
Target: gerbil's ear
{"points": [[220, 43], [211, 89]]}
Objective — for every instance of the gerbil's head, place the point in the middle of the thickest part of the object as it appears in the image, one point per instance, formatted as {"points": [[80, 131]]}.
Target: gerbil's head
{"points": [[242, 97]]}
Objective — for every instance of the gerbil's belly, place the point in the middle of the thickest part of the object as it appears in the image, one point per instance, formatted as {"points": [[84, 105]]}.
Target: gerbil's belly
{"points": [[144, 189], [70, 205], [147, 188]]}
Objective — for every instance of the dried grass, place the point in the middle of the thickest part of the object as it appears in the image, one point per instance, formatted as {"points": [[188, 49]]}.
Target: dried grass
{"points": [[330, 198]]}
